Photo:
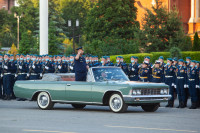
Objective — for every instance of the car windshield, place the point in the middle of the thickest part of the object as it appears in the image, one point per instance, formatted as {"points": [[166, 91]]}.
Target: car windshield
{"points": [[109, 74]]}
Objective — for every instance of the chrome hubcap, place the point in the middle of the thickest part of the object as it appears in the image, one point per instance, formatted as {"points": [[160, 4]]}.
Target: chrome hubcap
{"points": [[43, 100], [116, 103]]}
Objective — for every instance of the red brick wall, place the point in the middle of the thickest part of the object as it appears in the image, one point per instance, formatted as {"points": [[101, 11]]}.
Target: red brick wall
{"points": [[4, 3]]}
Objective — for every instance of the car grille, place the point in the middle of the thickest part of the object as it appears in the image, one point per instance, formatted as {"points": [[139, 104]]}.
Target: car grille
{"points": [[150, 91]]}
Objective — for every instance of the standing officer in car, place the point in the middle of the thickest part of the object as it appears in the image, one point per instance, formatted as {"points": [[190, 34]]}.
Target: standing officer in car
{"points": [[133, 69], [80, 66]]}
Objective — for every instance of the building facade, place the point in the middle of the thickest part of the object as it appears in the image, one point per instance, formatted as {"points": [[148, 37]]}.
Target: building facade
{"points": [[189, 10], [7, 4]]}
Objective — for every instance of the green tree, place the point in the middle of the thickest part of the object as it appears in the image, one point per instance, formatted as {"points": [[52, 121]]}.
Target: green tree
{"points": [[73, 10], [27, 43], [7, 29], [56, 30], [110, 27], [196, 43], [175, 52], [161, 29]]}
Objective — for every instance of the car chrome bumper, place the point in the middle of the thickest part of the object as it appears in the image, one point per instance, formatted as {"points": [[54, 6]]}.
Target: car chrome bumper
{"points": [[145, 98]]}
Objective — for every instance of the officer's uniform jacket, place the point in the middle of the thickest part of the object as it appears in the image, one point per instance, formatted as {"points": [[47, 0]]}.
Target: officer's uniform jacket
{"points": [[133, 70]]}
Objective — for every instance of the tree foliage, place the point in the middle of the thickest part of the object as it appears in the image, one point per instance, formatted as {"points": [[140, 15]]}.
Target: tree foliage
{"points": [[161, 29], [196, 43], [110, 27]]}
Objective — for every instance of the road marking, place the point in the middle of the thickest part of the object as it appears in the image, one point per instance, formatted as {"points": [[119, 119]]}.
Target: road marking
{"points": [[46, 131], [160, 129]]}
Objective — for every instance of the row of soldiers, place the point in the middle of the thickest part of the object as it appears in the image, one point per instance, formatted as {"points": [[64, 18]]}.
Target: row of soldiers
{"points": [[180, 75]]}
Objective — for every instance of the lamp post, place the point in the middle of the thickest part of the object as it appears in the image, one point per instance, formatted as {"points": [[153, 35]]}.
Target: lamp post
{"points": [[18, 18], [73, 29]]}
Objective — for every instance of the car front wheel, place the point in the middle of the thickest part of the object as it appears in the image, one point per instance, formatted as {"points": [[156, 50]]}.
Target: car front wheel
{"points": [[117, 104], [44, 101], [151, 107]]}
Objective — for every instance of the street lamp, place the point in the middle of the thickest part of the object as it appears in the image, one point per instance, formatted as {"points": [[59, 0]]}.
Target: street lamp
{"points": [[73, 29], [18, 17]]}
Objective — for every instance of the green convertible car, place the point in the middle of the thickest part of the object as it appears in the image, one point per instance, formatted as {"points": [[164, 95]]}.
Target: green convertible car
{"points": [[107, 86]]}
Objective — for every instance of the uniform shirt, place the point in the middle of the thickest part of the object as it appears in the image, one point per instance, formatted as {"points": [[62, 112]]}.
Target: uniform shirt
{"points": [[192, 73], [133, 69], [8, 64], [37, 68], [157, 72], [169, 71], [144, 73], [109, 63], [80, 65], [71, 67], [181, 72], [63, 69], [24, 67], [13, 67], [50, 66]]}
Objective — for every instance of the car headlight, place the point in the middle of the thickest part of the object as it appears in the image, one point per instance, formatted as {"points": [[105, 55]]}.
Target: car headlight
{"points": [[138, 92], [134, 92], [161, 92], [165, 91]]}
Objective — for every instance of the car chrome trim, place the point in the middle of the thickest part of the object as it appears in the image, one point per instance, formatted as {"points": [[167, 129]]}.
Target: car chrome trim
{"points": [[65, 101], [147, 96]]}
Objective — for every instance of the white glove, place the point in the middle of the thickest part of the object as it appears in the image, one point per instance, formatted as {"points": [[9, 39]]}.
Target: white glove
{"points": [[6, 67], [40, 74], [172, 84], [33, 66], [71, 67], [59, 67], [29, 67], [20, 67], [15, 75], [185, 86], [197, 86], [1, 75], [133, 69], [28, 75], [46, 67]]}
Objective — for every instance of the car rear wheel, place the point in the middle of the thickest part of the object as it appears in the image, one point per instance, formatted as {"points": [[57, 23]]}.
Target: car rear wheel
{"points": [[151, 107], [117, 104], [44, 101], [78, 106]]}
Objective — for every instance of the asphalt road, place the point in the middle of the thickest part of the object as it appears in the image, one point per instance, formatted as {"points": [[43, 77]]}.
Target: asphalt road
{"points": [[26, 117]]}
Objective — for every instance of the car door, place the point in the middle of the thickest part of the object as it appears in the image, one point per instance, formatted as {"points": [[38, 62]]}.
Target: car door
{"points": [[79, 91]]}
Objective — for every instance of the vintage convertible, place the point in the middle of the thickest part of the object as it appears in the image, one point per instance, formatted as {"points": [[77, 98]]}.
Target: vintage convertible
{"points": [[107, 86]]}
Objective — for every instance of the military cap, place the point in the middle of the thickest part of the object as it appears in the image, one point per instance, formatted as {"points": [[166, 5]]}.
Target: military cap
{"points": [[181, 60], [136, 57], [197, 61], [7, 55], [1, 54], [133, 57], [194, 61], [161, 57], [18, 54], [188, 58], [79, 48], [105, 57], [50, 56], [175, 59], [11, 55], [170, 59], [147, 57]]}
